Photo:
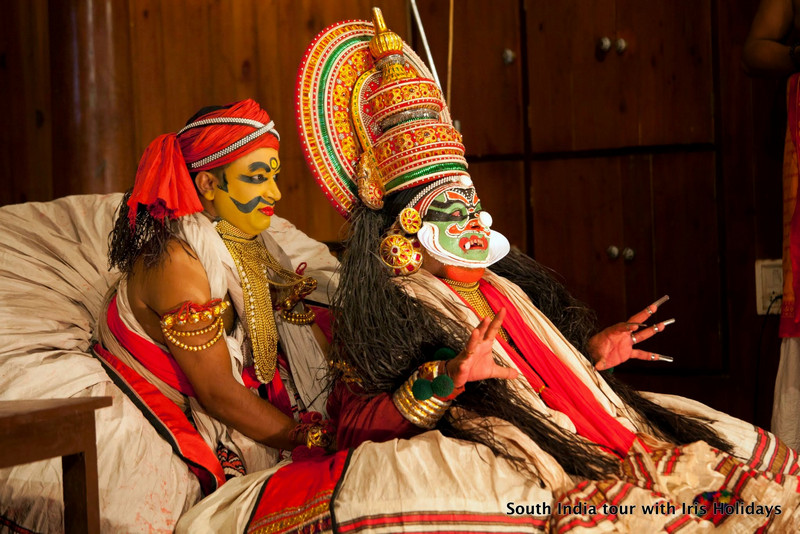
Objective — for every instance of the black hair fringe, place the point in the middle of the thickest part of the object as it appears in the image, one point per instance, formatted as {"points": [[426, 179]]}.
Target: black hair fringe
{"points": [[147, 240], [382, 334]]}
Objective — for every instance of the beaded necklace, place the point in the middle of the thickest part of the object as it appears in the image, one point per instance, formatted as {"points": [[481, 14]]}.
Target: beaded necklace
{"points": [[252, 259], [470, 291]]}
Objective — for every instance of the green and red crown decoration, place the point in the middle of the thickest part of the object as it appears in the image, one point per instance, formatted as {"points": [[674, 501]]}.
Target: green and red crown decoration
{"points": [[371, 119]]}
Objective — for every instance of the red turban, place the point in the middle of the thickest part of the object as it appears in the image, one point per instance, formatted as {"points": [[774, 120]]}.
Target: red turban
{"points": [[163, 183]]}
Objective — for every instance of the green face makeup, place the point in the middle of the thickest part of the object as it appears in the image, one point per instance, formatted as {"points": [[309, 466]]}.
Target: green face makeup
{"points": [[455, 214]]}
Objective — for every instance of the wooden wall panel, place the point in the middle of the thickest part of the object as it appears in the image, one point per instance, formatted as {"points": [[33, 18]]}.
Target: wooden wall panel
{"points": [[575, 101], [578, 214], [93, 148], [25, 142], [667, 68]]}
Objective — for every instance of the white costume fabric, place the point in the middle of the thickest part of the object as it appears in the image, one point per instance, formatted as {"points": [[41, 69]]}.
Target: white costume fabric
{"points": [[53, 278], [786, 403], [431, 475]]}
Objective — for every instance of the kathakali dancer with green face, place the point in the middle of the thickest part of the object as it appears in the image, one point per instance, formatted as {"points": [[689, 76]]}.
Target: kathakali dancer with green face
{"points": [[468, 391]]}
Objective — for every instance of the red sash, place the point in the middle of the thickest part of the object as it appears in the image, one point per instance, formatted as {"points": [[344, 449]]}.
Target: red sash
{"points": [[163, 365], [168, 420], [298, 497], [790, 320], [563, 390]]}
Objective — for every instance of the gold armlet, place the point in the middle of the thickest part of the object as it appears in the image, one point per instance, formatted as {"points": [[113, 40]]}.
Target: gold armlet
{"points": [[423, 413], [190, 313]]}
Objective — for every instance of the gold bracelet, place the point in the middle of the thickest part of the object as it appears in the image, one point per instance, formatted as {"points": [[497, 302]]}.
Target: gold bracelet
{"points": [[425, 413], [306, 317]]}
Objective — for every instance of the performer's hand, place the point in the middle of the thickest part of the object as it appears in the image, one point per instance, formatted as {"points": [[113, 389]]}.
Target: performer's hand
{"points": [[614, 345], [476, 362]]}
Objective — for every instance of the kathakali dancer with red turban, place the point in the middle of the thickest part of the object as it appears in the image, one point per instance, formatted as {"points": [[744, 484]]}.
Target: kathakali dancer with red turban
{"points": [[467, 391], [206, 329]]}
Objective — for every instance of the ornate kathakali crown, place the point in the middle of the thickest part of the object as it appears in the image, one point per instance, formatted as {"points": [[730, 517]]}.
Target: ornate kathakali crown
{"points": [[372, 121]]}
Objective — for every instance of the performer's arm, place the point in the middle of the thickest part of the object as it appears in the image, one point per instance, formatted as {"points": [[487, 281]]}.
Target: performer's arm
{"points": [[159, 290], [360, 418], [765, 52]]}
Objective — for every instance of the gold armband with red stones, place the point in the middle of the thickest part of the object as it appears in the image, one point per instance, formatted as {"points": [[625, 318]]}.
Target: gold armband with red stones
{"points": [[190, 313]]}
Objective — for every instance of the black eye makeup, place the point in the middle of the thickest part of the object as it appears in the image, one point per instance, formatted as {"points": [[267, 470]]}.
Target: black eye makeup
{"points": [[273, 167]]}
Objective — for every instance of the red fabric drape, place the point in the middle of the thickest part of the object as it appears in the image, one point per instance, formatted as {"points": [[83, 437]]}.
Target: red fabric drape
{"points": [[793, 111], [564, 391]]}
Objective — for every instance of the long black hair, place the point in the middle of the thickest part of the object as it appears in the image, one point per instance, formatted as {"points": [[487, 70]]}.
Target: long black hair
{"points": [[382, 334], [578, 323]]}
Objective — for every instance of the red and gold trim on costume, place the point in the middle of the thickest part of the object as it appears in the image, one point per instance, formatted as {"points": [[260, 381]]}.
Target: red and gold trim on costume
{"points": [[168, 420], [445, 521], [286, 506]]}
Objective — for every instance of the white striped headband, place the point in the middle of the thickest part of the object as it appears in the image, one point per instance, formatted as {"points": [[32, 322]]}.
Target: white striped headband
{"points": [[425, 197], [261, 129]]}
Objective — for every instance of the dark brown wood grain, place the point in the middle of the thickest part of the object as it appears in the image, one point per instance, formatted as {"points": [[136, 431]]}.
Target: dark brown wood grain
{"points": [[32, 430], [486, 91], [25, 137], [574, 90], [666, 75], [577, 216], [93, 149]]}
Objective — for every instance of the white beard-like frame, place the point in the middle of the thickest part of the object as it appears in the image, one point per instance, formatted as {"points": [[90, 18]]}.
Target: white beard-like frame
{"points": [[429, 238]]}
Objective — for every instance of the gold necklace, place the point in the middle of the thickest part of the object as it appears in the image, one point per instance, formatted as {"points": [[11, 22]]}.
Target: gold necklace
{"points": [[254, 262], [251, 258], [471, 292]]}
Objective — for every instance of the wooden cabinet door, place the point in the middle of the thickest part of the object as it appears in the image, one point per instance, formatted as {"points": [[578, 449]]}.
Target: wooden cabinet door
{"points": [[486, 93], [666, 71], [577, 217], [670, 216], [661, 210], [656, 91], [575, 102]]}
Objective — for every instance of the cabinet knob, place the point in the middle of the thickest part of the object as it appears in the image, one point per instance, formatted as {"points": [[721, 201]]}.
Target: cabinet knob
{"points": [[612, 252], [509, 56], [604, 44], [622, 45], [628, 254]]}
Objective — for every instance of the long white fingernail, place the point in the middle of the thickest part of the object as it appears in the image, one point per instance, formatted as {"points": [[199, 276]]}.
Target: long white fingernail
{"points": [[660, 301], [663, 358], [668, 322]]}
